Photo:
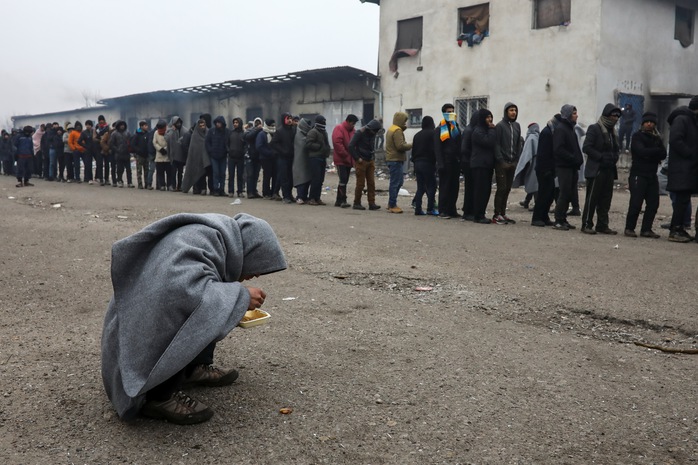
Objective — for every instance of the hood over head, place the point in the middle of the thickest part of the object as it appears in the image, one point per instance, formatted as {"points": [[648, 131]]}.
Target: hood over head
{"points": [[284, 116], [206, 117], [680, 111], [241, 124], [257, 120], [120, 125], [304, 125], [374, 125], [400, 119], [174, 120], [481, 118], [506, 108], [533, 128], [219, 119], [428, 123], [566, 111], [610, 108], [693, 104]]}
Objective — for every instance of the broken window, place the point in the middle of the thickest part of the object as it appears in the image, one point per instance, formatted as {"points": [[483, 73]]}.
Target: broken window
{"points": [[548, 13], [415, 117], [473, 24], [409, 40], [683, 28]]}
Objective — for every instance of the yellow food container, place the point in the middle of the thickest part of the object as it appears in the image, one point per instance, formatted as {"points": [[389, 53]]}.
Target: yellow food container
{"points": [[253, 318]]}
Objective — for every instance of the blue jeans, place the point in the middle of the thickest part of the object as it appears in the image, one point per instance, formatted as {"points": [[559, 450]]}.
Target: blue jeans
{"points": [[252, 168], [151, 172], [219, 165], [24, 168], [318, 166], [52, 161], [396, 180]]}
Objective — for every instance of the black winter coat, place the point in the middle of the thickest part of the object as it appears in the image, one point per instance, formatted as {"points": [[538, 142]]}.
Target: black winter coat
{"points": [[250, 138], [282, 141], [423, 146], [236, 144], [447, 152], [602, 151], [217, 140], [566, 146], [139, 143], [648, 151], [683, 151], [484, 142], [545, 158]]}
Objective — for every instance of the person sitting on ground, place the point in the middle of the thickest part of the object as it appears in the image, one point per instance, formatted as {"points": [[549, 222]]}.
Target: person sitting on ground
{"points": [[177, 291]]}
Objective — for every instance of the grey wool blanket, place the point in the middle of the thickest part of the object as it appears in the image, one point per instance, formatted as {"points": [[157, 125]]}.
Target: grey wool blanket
{"points": [[176, 290]]}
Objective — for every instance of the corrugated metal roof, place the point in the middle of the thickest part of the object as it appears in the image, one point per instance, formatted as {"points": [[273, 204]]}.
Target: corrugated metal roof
{"points": [[314, 76]]}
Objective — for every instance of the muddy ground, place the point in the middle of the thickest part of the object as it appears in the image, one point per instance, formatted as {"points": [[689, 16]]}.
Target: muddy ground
{"points": [[523, 352]]}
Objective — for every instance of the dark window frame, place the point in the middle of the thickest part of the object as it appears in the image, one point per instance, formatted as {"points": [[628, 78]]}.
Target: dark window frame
{"points": [[551, 13], [684, 25], [483, 23], [407, 37], [414, 117]]}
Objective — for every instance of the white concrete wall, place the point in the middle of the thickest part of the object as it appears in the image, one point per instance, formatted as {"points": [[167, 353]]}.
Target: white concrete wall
{"points": [[63, 116], [610, 46]]}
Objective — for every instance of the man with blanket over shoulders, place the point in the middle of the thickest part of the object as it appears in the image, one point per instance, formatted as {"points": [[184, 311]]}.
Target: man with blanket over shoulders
{"points": [[177, 291]]}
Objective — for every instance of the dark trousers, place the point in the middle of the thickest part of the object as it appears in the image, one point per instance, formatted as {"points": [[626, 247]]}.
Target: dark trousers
{"points": [[110, 164], [642, 189], [177, 173], [8, 167], [482, 190], [66, 162], [99, 166], [252, 168], [302, 191], [25, 165], [236, 172], [219, 166], [598, 199], [424, 170], [681, 202], [284, 172], [163, 175], [269, 182], [77, 157], [545, 196], [318, 166], [164, 391], [625, 131], [567, 179], [38, 163], [46, 163], [205, 181], [343, 173], [87, 163], [467, 191], [449, 185], [121, 166], [504, 172], [142, 167]]}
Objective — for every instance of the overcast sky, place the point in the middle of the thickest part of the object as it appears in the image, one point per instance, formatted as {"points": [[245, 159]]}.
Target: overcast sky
{"points": [[54, 53]]}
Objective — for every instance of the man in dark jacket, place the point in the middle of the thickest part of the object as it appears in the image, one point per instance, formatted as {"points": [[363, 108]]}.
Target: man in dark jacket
{"points": [[507, 153], [139, 143], [648, 151], [217, 149], [424, 160], [603, 149], [174, 137], [236, 159], [683, 165], [361, 149], [482, 156], [627, 122], [568, 158], [447, 145], [252, 163], [55, 151], [25, 156], [466, 149], [545, 174], [317, 146], [87, 140], [7, 154], [282, 145]]}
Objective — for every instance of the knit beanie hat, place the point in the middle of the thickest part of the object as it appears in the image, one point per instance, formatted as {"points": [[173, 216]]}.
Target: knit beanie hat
{"points": [[567, 110], [649, 116], [101, 118], [693, 105]]}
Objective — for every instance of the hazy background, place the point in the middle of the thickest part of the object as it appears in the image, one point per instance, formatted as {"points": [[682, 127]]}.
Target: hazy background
{"points": [[61, 55]]}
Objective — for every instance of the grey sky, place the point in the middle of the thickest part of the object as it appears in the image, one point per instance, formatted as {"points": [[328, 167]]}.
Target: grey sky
{"points": [[54, 52]]}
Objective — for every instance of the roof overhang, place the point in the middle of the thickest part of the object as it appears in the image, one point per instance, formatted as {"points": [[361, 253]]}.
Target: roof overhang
{"points": [[666, 95]]}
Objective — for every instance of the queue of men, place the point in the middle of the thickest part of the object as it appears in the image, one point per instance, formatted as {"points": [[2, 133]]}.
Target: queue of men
{"points": [[294, 155]]}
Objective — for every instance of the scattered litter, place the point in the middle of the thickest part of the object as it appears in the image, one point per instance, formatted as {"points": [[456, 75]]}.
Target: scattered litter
{"points": [[403, 192], [340, 276], [95, 216], [615, 246], [11, 198], [423, 288], [56, 205], [289, 298], [298, 243], [236, 202], [122, 217], [285, 411]]}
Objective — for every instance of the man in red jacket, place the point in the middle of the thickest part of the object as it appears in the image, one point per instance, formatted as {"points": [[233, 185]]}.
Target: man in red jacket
{"points": [[341, 136]]}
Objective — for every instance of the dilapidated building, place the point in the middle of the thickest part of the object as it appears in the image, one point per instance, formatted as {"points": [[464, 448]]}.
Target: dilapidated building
{"points": [[332, 92], [539, 54]]}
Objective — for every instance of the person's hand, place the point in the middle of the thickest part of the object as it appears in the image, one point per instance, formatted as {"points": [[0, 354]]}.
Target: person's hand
{"points": [[257, 297]]}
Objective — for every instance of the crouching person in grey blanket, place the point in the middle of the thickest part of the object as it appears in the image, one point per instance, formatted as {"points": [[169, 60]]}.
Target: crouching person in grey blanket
{"points": [[177, 291]]}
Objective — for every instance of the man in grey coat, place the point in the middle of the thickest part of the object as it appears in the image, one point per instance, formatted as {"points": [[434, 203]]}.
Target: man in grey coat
{"points": [[177, 291]]}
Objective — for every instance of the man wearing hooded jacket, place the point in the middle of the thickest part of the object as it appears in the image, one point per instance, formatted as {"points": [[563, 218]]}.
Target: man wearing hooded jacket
{"points": [[507, 153], [568, 158], [603, 149], [282, 145]]}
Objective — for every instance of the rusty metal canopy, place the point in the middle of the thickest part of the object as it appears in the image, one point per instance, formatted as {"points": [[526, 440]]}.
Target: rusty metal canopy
{"points": [[314, 76]]}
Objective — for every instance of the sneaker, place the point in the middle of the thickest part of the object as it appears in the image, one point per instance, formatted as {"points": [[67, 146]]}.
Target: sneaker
{"points": [[483, 221], [267, 197], [241, 195], [665, 225], [90, 182], [524, 204], [150, 188], [131, 186], [433, 212], [468, 217], [299, 201], [419, 212], [19, 184], [561, 226], [28, 184], [586, 230], [140, 186], [498, 219], [231, 195], [320, 202], [358, 206], [115, 185], [569, 226], [395, 209], [373, 206], [444, 216], [101, 183], [288, 201], [574, 212], [210, 376], [629, 233], [345, 205], [120, 184], [539, 223], [679, 235], [651, 234], [312, 202], [508, 220], [608, 231], [276, 197], [179, 409], [254, 196], [338, 203]]}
